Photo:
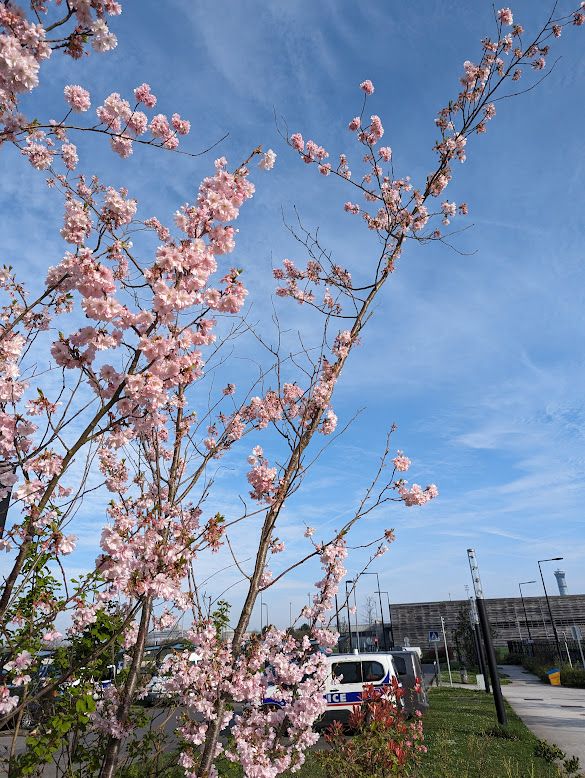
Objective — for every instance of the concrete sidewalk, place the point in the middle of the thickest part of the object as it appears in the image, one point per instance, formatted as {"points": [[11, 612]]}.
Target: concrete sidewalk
{"points": [[553, 713]]}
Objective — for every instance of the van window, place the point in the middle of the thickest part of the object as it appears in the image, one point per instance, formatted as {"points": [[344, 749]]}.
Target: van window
{"points": [[400, 664], [351, 672], [372, 671]]}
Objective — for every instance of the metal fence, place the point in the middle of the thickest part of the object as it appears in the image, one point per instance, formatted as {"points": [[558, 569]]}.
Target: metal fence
{"points": [[546, 650]]}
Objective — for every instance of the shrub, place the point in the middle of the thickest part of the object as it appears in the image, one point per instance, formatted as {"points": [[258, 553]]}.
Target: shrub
{"points": [[384, 743], [573, 676], [550, 752], [571, 765], [535, 665]]}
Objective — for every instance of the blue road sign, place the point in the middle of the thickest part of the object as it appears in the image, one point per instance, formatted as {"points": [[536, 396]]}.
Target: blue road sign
{"points": [[433, 636]]}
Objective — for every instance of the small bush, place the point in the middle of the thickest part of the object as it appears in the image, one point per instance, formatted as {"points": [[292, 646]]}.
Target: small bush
{"points": [[573, 676], [384, 743], [571, 765], [570, 676], [550, 752], [535, 665]]}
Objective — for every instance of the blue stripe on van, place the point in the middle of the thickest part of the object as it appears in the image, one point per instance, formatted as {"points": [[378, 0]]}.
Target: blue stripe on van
{"points": [[335, 699]]}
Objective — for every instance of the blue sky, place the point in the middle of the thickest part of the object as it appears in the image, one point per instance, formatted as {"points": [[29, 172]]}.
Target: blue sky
{"points": [[477, 356]]}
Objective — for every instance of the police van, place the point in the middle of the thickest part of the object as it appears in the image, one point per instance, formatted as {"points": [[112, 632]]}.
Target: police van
{"points": [[344, 685]]}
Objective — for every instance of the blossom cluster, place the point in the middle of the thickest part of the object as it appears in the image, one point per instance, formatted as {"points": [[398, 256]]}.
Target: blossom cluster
{"points": [[26, 43], [394, 207]]}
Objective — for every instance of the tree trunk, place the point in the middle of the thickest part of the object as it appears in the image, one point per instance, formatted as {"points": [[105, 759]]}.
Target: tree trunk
{"points": [[113, 749]]}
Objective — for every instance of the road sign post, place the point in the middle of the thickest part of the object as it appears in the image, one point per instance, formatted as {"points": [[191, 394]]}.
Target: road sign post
{"points": [[434, 639], [437, 664], [446, 650]]}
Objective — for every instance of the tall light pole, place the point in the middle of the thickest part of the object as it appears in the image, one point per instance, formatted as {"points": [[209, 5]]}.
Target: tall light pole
{"points": [[384, 635], [390, 619], [520, 585], [348, 615], [481, 661], [337, 616], [552, 621], [265, 605], [487, 638], [357, 632]]}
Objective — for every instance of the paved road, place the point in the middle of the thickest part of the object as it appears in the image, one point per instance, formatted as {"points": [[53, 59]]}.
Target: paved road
{"points": [[553, 713]]}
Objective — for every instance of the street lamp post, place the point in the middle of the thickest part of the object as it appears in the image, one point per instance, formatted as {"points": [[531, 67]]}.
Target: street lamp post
{"points": [[481, 660], [357, 632], [487, 638], [265, 605], [384, 635], [390, 618], [348, 616], [552, 621], [520, 585], [337, 615]]}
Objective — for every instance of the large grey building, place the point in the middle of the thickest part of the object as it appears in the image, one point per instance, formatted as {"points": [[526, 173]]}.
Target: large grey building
{"points": [[412, 622]]}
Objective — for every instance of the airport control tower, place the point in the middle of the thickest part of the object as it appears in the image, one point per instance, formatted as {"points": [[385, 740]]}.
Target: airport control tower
{"points": [[561, 582]]}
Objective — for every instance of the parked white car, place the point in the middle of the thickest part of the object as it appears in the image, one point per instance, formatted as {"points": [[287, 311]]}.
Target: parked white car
{"points": [[156, 689]]}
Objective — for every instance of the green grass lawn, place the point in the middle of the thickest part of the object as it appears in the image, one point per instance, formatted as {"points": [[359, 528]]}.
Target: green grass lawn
{"points": [[455, 734], [471, 677]]}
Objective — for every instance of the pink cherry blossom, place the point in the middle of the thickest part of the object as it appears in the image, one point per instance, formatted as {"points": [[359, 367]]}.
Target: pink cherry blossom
{"points": [[268, 160], [103, 38], [401, 462], [144, 95], [182, 126], [367, 87], [416, 495], [77, 97], [52, 636], [38, 155], [505, 16], [65, 545], [7, 701], [297, 142]]}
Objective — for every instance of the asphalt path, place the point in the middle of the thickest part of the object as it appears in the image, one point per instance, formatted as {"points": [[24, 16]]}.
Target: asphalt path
{"points": [[553, 713]]}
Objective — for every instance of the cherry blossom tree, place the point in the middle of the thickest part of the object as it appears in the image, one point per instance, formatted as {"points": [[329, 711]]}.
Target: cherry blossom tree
{"points": [[132, 334]]}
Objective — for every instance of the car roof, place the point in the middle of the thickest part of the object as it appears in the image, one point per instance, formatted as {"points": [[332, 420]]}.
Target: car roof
{"points": [[355, 657]]}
